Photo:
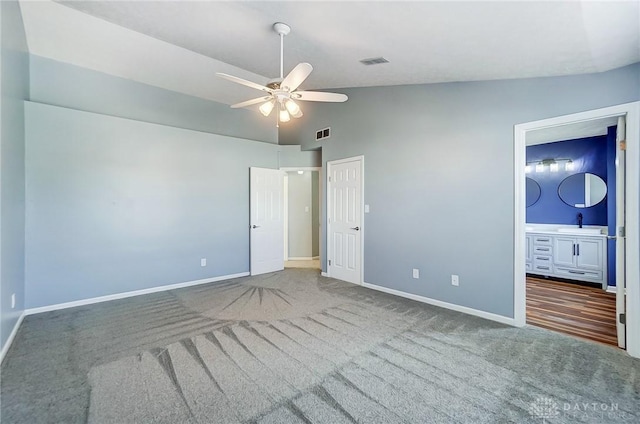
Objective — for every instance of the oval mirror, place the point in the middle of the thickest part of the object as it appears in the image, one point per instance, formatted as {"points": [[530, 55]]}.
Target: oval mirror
{"points": [[582, 190], [533, 192]]}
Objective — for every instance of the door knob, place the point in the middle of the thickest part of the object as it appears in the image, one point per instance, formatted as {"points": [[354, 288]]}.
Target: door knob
{"points": [[355, 228], [255, 226]]}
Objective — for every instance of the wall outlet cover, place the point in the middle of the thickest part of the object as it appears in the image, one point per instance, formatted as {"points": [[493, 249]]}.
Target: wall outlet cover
{"points": [[455, 280], [203, 262], [416, 273]]}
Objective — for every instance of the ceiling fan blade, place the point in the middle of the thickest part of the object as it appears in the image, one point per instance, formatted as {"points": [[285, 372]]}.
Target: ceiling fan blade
{"points": [[296, 76], [243, 82], [251, 102], [319, 96]]}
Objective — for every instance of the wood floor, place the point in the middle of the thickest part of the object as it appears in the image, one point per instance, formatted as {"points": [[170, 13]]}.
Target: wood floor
{"points": [[572, 309]]}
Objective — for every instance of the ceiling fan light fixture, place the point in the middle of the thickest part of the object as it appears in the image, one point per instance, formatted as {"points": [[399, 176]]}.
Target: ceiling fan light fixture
{"points": [[293, 108], [283, 91], [284, 115], [267, 107]]}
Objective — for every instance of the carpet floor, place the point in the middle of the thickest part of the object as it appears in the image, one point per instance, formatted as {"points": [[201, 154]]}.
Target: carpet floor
{"points": [[295, 347]]}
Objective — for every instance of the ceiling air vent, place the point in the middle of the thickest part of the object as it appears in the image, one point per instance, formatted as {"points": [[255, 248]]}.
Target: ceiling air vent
{"points": [[322, 134], [374, 61]]}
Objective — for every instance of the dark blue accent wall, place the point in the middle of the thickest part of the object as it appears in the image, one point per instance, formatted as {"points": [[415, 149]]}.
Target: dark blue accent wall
{"points": [[588, 155], [611, 204]]}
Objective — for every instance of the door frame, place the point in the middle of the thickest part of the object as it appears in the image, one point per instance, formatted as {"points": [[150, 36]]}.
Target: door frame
{"points": [[362, 226], [632, 193], [286, 204]]}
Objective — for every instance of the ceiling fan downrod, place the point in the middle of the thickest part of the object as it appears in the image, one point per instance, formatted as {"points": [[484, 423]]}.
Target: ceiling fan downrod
{"points": [[281, 29]]}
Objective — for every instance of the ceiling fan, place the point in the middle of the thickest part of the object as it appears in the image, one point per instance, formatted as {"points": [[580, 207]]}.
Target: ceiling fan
{"points": [[281, 93]]}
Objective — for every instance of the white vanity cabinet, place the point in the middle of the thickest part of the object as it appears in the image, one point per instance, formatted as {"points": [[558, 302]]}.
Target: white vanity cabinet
{"points": [[529, 252], [577, 257]]}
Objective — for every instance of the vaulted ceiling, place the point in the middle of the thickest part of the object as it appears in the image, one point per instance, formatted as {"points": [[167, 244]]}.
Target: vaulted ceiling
{"points": [[179, 45]]}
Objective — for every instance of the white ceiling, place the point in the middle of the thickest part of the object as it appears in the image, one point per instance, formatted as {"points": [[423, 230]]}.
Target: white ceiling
{"points": [[180, 44]]}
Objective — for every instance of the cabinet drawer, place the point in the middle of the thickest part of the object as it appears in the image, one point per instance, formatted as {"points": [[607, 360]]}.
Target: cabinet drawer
{"points": [[545, 250], [542, 268], [578, 274], [543, 259], [543, 240]]}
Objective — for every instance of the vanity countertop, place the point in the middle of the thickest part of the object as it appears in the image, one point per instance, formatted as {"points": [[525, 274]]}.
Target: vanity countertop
{"points": [[567, 232]]}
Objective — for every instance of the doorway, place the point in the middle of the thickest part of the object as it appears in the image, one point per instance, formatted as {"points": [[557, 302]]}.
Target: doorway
{"points": [[302, 195], [628, 296]]}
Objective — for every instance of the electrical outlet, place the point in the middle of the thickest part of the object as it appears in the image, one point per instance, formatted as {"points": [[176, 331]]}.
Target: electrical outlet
{"points": [[416, 273], [455, 280], [13, 300], [203, 262]]}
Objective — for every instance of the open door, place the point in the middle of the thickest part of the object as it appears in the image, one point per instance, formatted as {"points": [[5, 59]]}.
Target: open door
{"points": [[267, 220], [620, 233]]}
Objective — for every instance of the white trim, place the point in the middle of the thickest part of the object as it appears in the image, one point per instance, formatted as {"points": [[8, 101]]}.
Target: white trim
{"points": [[446, 305], [300, 168], [285, 210], [611, 289], [324, 274], [362, 226], [632, 113], [130, 294], [12, 336], [303, 258]]}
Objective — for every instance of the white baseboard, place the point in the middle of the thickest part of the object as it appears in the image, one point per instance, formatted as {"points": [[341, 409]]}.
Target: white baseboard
{"points": [[446, 305], [611, 289], [99, 299], [7, 344], [302, 258], [324, 274]]}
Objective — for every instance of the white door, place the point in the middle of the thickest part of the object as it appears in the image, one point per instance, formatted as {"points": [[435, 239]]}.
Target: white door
{"points": [[620, 232], [345, 220], [267, 220]]}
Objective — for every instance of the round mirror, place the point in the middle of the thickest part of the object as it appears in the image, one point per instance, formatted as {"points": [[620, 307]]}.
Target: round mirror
{"points": [[533, 192], [582, 190]]}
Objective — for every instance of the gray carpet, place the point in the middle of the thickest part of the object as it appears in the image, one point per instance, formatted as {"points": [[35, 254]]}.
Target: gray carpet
{"points": [[295, 347]]}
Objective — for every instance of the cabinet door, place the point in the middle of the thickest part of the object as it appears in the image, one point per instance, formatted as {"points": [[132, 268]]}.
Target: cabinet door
{"points": [[589, 254], [529, 248], [563, 251]]}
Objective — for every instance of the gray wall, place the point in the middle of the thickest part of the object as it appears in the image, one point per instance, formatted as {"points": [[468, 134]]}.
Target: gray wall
{"points": [[14, 88], [300, 214], [293, 156], [71, 86], [439, 174], [115, 205]]}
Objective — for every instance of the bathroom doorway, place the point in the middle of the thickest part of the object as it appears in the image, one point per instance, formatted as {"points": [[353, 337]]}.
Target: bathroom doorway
{"points": [[546, 254], [302, 218], [571, 205]]}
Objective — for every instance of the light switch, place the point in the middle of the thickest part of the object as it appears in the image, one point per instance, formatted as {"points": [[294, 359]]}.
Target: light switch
{"points": [[366, 208], [306, 208]]}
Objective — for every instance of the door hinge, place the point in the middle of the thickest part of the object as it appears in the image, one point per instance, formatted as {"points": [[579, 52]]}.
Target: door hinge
{"points": [[621, 231], [623, 318], [329, 262], [329, 179]]}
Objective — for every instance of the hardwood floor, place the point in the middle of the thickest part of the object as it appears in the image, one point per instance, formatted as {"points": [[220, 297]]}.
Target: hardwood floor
{"points": [[580, 311]]}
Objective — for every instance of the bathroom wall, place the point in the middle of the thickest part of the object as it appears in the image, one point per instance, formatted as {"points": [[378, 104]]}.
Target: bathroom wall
{"points": [[588, 155]]}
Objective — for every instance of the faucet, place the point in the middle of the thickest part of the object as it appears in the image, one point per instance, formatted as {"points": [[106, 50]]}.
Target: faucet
{"points": [[579, 220]]}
